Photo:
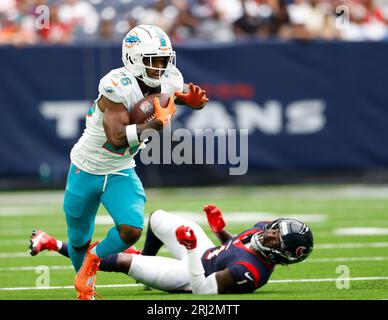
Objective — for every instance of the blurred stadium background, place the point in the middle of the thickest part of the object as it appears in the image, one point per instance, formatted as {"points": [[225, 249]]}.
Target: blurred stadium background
{"points": [[306, 78]]}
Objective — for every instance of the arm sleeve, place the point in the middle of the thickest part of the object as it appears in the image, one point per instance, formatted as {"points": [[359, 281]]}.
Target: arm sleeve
{"points": [[199, 283], [246, 280]]}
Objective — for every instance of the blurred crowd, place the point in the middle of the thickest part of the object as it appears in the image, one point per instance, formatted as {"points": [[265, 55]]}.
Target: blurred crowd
{"points": [[24, 22]]}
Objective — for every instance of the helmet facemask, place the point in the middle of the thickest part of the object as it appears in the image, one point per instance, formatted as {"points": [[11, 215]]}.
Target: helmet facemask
{"points": [[257, 242], [163, 73], [141, 62]]}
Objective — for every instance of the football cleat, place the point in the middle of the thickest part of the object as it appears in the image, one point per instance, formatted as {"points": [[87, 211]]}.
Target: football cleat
{"points": [[91, 295], [40, 241], [85, 280], [132, 250]]}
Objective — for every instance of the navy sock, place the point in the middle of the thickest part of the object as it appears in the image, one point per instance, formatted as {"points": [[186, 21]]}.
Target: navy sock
{"points": [[64, 251], [109, 264], [152, 243]]}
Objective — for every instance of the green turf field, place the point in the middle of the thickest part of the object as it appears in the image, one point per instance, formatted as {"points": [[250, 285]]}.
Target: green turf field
{"points": [[349, 261]]}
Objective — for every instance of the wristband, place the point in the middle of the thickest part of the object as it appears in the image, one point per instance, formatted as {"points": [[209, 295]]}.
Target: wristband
{"points": [[131, 132]]}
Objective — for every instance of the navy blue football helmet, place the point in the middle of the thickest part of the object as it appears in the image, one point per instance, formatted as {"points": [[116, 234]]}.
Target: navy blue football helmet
{"points": [[296, 241]]}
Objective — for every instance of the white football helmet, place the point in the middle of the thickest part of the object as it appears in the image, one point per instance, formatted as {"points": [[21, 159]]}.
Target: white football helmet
{"points": [[147, 41]]}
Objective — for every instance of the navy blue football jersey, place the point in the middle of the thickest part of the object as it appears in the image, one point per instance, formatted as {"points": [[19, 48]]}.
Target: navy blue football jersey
{"points": [[248, 268]]}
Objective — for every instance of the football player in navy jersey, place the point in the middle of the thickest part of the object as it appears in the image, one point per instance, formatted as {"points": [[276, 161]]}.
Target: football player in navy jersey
{"points": [[241, 264]]}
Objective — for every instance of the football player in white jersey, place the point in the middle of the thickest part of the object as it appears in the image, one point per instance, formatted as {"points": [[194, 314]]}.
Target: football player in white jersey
{"points": [[102, 164]]}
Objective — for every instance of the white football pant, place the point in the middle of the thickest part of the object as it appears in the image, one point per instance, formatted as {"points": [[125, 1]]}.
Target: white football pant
{"points": [[168, 274]]}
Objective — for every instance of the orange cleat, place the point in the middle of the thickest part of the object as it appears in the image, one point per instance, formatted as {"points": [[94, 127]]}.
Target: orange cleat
{"points": [[85, 280], [86, 296]]}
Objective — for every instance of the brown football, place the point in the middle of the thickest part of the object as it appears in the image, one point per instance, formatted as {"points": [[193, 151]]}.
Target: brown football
{"points": [[143, 110]]}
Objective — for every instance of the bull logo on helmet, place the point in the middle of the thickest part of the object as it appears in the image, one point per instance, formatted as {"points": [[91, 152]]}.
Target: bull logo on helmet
{"points": [[299, 251]]}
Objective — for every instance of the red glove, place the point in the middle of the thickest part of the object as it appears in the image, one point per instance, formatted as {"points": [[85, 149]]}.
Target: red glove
{"points": [[186, 237], [214, 217], [195, 98]]}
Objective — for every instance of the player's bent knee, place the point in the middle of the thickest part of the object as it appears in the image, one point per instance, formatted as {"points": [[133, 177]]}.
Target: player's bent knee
{"points": [[129, 234], [154, 214], [83, 247], [155, 218]]}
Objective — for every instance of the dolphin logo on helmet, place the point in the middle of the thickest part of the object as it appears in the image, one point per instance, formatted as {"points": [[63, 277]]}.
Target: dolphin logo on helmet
{"points": [[131, 40]]}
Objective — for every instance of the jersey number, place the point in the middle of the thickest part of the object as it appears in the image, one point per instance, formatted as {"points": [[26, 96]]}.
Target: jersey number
{"points": [[215, 253]]}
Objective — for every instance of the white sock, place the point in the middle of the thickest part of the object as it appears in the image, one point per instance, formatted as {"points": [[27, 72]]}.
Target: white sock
{"points": [[94, 251], [59, 244]]}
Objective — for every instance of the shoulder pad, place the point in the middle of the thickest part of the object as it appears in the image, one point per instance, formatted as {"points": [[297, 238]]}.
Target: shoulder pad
{"points": [[116, 86], [174, 82]]}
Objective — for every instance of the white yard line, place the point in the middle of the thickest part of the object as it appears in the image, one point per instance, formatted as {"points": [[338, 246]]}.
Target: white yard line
{"points": [[33, 268], [25, 254], [24, 212], [71, 287], [322, 246], [236, 217], [355, 192], [138, 285], [329, 279], [311, 260], [233, 217], [27, 198], [344, 259], [11, 243], [351, 245], [361, 231]]}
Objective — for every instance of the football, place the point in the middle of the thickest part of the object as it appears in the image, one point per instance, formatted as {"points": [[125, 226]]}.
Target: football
{"points": [[143, 110]]}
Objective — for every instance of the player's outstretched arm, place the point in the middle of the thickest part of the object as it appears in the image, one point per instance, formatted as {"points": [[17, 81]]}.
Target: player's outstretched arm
{"points": [[193, 96], [120, 133], [216, 222]]}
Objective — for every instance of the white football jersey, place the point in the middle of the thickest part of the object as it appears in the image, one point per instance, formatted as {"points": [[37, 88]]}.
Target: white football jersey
{"points": [[92, 153]]}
